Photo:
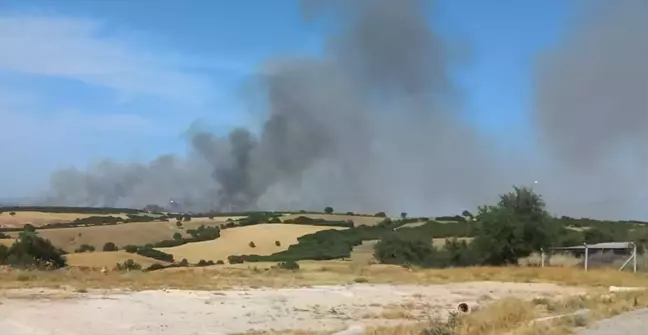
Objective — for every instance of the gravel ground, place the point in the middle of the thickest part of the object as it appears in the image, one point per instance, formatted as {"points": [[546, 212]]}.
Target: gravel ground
{"points": [[41, 312], [632, 323]]}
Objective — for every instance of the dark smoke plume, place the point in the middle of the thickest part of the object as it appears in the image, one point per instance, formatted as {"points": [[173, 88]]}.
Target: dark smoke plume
{"points": [[592, 108], [374, 124]]}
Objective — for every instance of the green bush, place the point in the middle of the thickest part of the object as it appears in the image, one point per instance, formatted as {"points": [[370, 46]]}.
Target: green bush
{"points": [[328, 210], [84, 248], [30, 250], [220, 262], [277, 243], [288, 265], [110, 246], [29, 228], [184, 262], [155, 266], [381, 215], [177, 236], [155, 254], [131, 248], [128, 265]]}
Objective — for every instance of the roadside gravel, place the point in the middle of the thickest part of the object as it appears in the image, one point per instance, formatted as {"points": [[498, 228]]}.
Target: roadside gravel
{"points": [[632, 323]]}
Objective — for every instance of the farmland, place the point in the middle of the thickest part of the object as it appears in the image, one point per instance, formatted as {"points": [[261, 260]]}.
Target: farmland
{"points": [[385, 275]]}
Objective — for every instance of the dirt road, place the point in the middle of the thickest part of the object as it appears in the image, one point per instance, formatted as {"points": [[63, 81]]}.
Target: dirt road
{"points": [[632, 323], [50, 312]]}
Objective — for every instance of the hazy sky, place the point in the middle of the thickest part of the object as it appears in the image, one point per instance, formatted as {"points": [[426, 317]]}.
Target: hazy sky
{"points": [[81, 80]]}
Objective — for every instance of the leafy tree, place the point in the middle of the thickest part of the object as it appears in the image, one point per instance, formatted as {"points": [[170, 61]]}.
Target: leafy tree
{"points": [[187, 218], [403, 215], [467, 214], [252, 245], [184, 262], [177, 236], [12, 213], [110, 246], [29, 228], [381, 215], [328, 210]]}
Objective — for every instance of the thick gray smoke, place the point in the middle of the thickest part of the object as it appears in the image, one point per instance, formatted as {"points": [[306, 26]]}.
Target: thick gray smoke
{"points": [[592, 109], [374, 125]]}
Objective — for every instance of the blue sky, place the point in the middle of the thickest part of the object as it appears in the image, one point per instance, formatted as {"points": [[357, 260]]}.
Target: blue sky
{"points": [[85, 79]]}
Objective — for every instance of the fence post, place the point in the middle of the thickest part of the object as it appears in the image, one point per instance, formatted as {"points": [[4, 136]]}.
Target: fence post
{"points": [[634, 257], [586, 255], [542, 257]]}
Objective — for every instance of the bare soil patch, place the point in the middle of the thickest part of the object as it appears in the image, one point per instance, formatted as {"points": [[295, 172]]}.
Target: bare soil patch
{"points": [[237, 311]]}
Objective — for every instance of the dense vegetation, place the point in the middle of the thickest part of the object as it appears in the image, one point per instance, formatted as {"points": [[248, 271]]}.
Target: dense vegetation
{"points": [[503, 233], [31, 251]]}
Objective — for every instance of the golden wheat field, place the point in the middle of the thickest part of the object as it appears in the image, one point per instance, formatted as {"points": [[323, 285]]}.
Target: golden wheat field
{"points": [[38, 219], [235, 241], [137, 233], [108, 259]]}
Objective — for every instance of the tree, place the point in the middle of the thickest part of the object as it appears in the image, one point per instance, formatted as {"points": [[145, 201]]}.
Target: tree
{"points": [[12, 213], [515, 227], [32, 250], [328, 210], [467, 214], [177, 236], [29, 228], [109, 246], [394, 249], [381, 215], [252, 245], [403, 215]]}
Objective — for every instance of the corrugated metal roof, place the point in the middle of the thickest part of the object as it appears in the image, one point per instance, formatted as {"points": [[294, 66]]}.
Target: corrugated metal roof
{"points": [[607, 245]]}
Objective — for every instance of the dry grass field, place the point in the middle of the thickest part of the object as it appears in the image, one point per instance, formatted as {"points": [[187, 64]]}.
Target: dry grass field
{"points": [[357, 219], [107, 259], [137, 233], [312, 273], [38, 219], [235, 241]]}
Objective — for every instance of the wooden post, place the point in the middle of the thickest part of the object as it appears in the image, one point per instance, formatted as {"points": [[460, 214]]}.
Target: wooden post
{"points": [[586, 255]]}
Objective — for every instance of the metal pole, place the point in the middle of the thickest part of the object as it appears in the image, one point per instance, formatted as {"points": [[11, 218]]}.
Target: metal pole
{"points": [[634, 257], [542, 257], [586, 255]]}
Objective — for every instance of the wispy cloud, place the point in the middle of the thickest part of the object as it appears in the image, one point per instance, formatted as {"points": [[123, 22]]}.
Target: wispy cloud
{"points": [[84, 50]]}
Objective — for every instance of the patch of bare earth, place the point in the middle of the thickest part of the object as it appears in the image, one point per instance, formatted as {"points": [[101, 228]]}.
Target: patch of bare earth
{"points": [[316, 308]]}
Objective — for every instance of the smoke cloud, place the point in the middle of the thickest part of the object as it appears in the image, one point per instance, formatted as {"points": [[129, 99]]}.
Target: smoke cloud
{"points": [[592, 109], [374, 124]]}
